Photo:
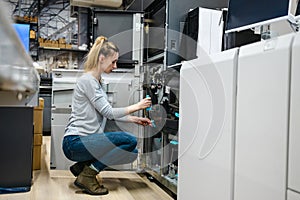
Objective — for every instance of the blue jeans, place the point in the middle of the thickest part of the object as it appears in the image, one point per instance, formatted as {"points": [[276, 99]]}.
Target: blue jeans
{"points": [[101, 150]]}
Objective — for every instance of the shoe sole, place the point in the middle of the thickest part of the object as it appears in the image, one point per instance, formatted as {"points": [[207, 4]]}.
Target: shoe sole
{"points": [[87, 190]]}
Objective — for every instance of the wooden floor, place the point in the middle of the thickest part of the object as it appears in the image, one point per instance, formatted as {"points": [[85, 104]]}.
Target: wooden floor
{"points": [[58, 185]]}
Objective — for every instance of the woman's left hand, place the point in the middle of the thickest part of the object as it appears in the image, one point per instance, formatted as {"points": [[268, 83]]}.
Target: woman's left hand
{"points": [[141, 121]]}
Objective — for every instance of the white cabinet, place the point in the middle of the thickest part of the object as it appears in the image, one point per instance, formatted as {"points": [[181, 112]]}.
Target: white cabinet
{"points": [[294, 138], [262, 120], [206, 129]]}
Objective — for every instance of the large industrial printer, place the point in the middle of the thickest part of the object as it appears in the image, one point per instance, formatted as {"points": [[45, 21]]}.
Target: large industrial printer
{"points": [[239, 136]]}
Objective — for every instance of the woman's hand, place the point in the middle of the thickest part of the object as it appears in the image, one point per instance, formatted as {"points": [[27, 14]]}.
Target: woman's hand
{"points": [[144, 103], [141, 121]]}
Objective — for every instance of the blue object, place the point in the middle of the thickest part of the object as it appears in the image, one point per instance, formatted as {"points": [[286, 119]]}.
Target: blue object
{"points": [[23, 31], [174, 142], [149, 108], [177, 114], [14, 190], [153, 123]]}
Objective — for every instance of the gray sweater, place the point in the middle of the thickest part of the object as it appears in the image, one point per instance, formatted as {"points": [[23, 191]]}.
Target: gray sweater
{"points": [[90, 108]]}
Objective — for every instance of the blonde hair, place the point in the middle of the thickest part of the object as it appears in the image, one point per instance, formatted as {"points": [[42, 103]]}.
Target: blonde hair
{"points": [[100, 47]]}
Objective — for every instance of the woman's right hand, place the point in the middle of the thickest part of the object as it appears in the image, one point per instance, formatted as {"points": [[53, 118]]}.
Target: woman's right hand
{"points": [[144, 103]]}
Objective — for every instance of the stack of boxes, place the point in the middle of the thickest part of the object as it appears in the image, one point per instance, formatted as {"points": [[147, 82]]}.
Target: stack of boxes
{"points": [[32, 34], [60, 43], [26, 18], [38, 134]]}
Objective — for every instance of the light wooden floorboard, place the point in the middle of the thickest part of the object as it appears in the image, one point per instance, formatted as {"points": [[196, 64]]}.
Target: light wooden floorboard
{"points": [[58, 185]]}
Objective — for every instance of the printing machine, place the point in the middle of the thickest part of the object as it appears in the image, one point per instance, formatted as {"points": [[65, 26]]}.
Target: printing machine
{"points": [[63, 84], [206, 128], [238, 132], [19, 82], [160, 153], [293, 183]]}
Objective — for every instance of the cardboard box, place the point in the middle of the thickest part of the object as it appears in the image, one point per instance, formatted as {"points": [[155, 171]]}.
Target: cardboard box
{"points": [[36, 161], [62, 46], [37, 139], [41, 40], [32, 34], [68, 46], [62, 40], [38, 117]]}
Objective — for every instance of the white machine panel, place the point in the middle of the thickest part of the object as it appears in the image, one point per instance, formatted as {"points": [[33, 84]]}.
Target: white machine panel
{"points": [[119, 88], [63, 86], [262, 120], [60, 119], [207, 115], [294, 139], [121, 92], [293, 195], [210, 31], [62, 90]]}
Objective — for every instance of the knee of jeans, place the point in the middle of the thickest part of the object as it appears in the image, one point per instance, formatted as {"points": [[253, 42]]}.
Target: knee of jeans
{"points": [[133, 140], [133, 155], [66, 151], [135, 151]]}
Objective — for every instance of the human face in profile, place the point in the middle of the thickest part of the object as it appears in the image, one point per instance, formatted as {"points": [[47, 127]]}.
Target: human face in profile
{"points": [[109, 63]]}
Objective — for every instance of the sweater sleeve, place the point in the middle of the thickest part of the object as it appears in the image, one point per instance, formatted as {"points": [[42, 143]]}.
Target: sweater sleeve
{"points": [[123, 119], [94, 92]]}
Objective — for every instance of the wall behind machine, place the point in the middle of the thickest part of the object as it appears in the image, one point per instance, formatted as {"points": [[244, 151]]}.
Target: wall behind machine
{"points": [[176, 14]]}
